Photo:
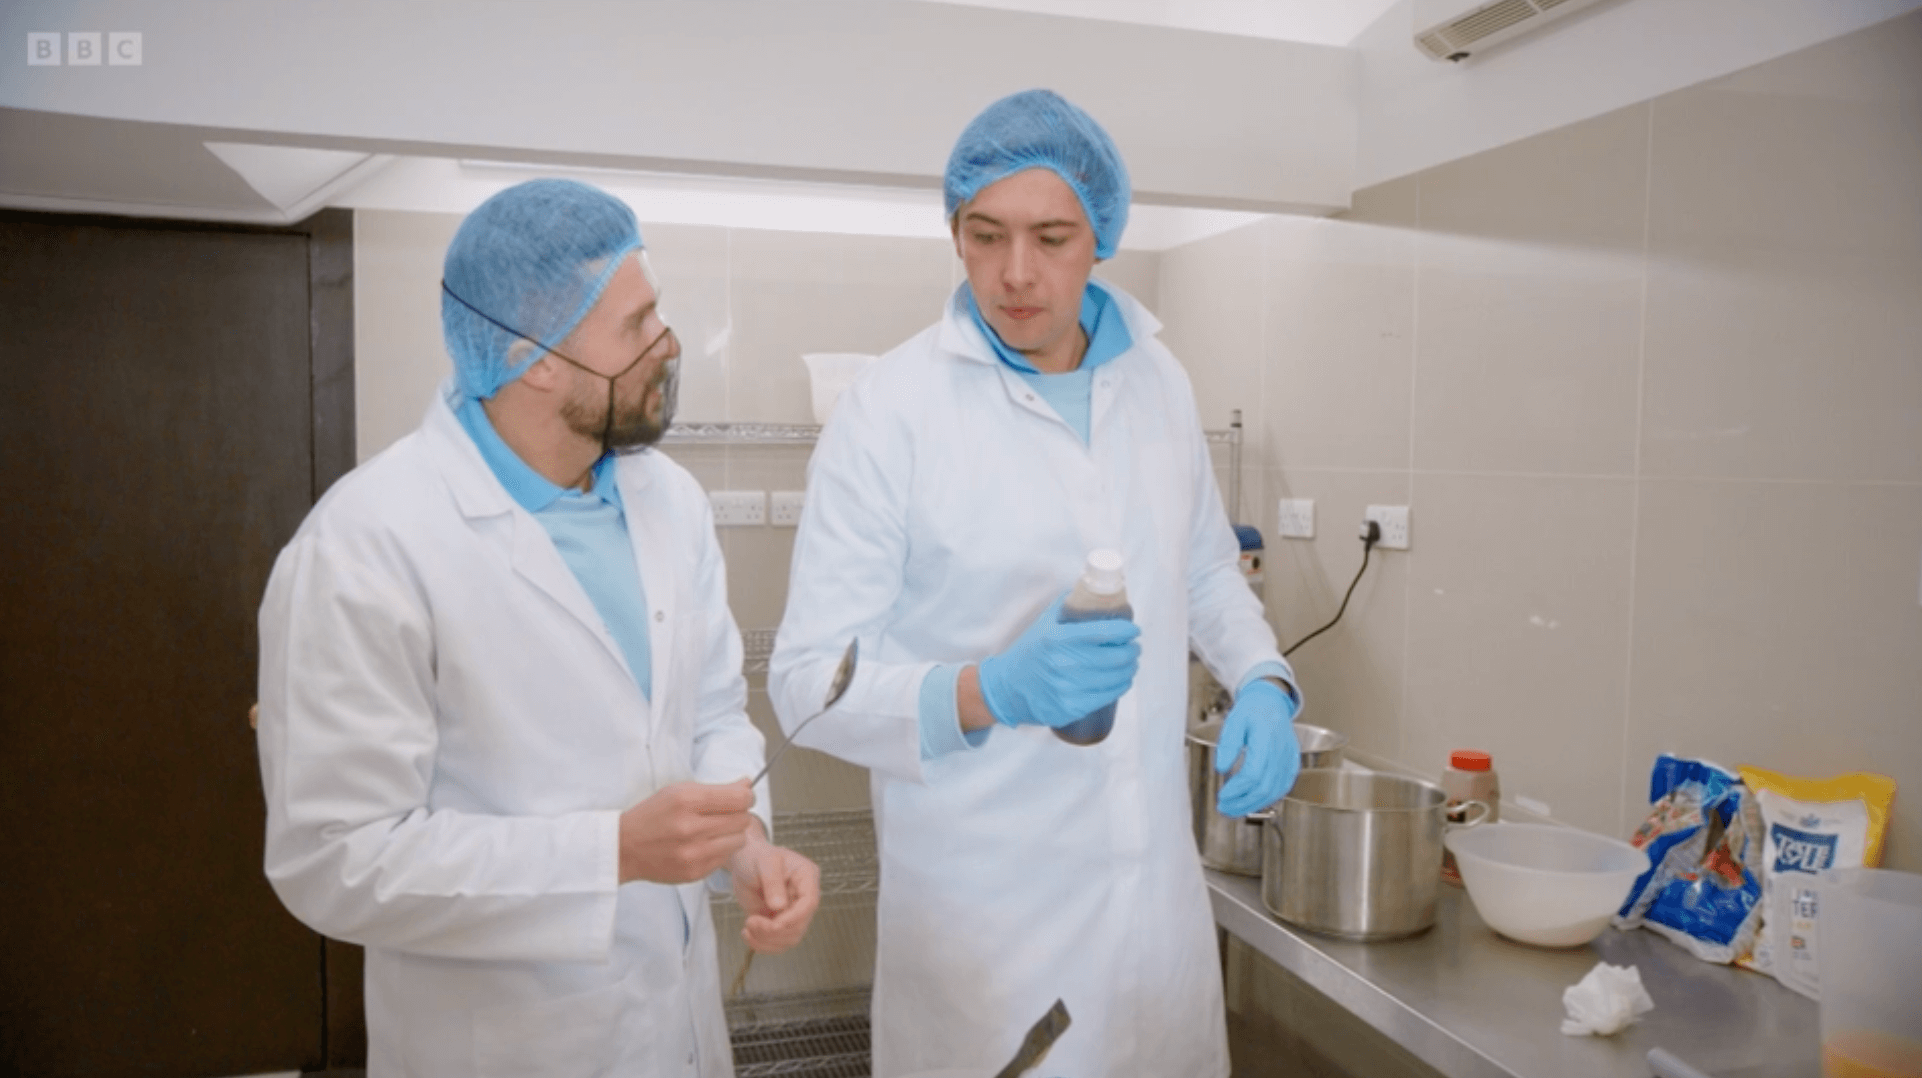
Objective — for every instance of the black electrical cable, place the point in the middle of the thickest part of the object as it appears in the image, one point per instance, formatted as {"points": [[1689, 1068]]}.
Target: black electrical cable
{"points": [[1368, 542]]}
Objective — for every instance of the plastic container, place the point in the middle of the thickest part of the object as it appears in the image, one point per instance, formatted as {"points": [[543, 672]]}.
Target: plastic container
{"points": [[1870, 957], [1544, 884], [1470, 777], [1099, 594]]}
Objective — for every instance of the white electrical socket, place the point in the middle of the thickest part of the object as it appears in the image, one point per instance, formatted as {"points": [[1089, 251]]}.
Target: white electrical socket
{"points": [[784, 508], [1394, 525], [738, 507], [1296, 519]]}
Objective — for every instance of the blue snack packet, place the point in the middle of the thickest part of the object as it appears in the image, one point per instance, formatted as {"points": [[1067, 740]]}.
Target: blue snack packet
{"points": [[1699, 891]]}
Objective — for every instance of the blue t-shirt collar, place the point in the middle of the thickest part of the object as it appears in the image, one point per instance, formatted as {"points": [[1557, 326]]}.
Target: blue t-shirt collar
{"points": [[1100, 319], [529, 488]]}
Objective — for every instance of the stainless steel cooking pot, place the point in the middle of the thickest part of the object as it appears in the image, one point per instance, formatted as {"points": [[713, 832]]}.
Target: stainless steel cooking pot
{"points": [[1357, 854], [1229, 844]]}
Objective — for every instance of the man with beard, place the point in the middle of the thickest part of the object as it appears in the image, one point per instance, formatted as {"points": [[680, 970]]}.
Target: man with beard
{"points": [[502, 719]]}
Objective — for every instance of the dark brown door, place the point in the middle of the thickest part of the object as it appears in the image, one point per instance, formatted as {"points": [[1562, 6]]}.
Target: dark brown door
{"points": [[172, 400]]}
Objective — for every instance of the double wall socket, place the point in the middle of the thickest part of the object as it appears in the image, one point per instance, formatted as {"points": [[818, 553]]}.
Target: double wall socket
{"points": [[1394, 525], [737, 507], [784, 508]]}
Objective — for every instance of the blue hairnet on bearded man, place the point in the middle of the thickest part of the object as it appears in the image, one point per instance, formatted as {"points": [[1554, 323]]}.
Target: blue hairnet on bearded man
{"points": [[1041, 129], [534, 257]]}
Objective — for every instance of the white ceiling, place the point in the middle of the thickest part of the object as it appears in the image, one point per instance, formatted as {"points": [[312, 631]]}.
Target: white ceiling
{"points": [[1313, 22], [269, 136], [67, 144]]}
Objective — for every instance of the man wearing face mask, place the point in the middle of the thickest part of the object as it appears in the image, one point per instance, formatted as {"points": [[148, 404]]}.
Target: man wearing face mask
{"points": [[502, 724], [953, 497]]}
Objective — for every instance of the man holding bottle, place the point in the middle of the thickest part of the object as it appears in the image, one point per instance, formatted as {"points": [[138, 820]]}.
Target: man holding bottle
{"points": [[952, 501]]}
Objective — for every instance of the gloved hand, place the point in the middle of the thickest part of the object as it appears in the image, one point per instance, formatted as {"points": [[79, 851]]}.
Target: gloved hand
{"points": [[1058, 672], [1262, 722]]}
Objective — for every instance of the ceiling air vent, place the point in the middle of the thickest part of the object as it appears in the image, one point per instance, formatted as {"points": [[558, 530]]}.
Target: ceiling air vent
{"points": [[1458, 29]]}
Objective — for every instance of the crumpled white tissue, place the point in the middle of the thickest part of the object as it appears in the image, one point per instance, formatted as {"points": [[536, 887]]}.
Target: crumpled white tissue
{"points": [[1605, 1001]]}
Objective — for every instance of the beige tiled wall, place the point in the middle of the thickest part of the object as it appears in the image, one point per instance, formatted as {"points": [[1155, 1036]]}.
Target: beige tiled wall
{"points": [[747, 305], [1652, 386], [398, 354]]}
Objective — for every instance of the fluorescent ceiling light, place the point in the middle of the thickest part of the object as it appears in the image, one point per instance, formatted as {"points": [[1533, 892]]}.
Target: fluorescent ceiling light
{"points": [[436, 185]]}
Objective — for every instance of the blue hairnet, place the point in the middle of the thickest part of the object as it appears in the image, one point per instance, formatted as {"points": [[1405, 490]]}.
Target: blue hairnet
{"points": [[534, 257], [1040, 129]]}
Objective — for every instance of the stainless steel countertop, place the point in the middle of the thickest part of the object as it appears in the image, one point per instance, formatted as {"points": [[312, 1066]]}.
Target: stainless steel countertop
{"points": [[1474, 1005]]}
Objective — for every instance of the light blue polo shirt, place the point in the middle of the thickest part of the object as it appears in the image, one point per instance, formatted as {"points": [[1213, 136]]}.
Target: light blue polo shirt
{"points": [[590, 531]]}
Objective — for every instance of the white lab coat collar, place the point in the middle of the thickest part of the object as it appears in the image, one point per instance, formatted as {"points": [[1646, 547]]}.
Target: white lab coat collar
{"points": [[476, 491]]}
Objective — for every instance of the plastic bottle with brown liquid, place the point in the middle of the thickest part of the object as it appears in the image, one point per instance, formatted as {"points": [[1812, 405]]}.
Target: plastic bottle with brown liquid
{"points": [[1100, 593]]}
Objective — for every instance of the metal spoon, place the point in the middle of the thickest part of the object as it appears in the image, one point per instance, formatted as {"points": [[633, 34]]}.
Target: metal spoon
{"points": [[843, 677]]}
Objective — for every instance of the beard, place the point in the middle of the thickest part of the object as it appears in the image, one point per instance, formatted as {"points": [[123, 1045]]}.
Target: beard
{"points": [[631, 429]]}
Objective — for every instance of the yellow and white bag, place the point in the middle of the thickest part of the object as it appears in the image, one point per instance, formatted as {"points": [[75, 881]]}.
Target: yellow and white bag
{"points": [[1808, 827]]}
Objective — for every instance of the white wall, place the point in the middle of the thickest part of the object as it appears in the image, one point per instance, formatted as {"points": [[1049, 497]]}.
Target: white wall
{"points": [[1651, 385]]}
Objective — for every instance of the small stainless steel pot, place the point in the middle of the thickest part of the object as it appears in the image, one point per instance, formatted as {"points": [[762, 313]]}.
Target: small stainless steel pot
{"points": [[1357, 854], [1229, 844]]}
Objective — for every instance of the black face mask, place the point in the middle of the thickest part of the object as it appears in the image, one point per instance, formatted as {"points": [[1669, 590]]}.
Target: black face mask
{"points": [[633, 436], [636, 432]]}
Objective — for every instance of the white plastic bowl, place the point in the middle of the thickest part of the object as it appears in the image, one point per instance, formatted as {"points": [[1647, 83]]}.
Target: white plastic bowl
{"points": [[1545, 885]]}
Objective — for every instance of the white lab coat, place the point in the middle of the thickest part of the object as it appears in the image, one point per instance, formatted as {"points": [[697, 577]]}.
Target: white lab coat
{"points": [[947, 505], [448, 734]]}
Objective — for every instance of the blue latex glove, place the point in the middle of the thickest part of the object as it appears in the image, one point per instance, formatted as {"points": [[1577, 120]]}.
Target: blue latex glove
{"points": [[1262, 722], [1059, 671]]}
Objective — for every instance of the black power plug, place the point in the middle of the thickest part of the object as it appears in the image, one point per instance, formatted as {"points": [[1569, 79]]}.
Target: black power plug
{"points": [[1370, 535]]}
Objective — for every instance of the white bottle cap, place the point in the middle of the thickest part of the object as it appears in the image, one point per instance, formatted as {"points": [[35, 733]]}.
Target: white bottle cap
{"points": [[1103, 574]]}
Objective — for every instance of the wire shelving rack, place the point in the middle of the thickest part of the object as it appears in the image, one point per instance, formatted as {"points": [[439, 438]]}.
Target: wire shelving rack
{"points": [[804, 1014]]}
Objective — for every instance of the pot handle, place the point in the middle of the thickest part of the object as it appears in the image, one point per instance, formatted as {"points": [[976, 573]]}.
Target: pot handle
{"points": [[1462, 811]]}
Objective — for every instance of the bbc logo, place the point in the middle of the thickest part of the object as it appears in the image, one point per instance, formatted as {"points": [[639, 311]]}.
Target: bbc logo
{"points": [[118, 49]]}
